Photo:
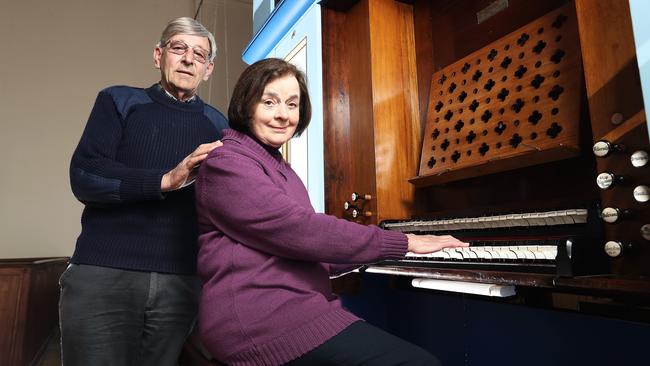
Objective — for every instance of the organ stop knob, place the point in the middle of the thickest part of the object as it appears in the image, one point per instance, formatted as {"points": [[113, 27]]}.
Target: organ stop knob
{"points": [[365, 197], [606, 180], [603, 148], [615, 248]]}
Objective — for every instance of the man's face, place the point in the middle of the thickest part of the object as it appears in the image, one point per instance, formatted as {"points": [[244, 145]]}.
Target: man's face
{"points": [[180, 64]]}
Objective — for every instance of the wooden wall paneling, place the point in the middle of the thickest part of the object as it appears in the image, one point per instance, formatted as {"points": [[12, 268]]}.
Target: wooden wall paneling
{"points": [[14, 283], [29, 294], [609, 58], [43, 309]]}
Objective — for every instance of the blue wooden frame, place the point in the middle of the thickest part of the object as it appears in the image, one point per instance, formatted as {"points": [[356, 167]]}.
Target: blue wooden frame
{"points": [[283, 17]]}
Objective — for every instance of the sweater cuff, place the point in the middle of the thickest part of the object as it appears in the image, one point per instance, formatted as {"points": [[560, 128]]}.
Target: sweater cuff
{"points": [[151, 186], [394, 245]]}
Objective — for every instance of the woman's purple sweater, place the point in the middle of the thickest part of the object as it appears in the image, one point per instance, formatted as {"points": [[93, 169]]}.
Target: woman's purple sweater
{"points": [[265, 257]]}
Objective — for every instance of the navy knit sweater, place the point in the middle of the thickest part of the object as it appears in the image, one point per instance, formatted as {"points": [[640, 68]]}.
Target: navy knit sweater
{"points": [[132, 138]]}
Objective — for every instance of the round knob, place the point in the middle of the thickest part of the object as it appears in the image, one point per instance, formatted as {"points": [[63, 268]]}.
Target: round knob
{"points": [[642, 193], [603, 148], [607, 180], [356, 196], [346, 205], [645, 231], [616, 118], [639, 158], [356, 213], [612, 215], [614, 248]]}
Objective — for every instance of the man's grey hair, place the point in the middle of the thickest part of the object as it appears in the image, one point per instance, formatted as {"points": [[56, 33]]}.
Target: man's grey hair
{"points": [[187, 25]]}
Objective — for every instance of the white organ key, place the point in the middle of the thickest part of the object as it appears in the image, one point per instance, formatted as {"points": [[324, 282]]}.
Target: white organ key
{"points": [[519, 253], [417, 225], [572, 215], [545, 218], [505, 221], [526, 219], [481, 222], [469, 253], [509, 253], [527, 252], [458, 252], [491, 252], [536, 219], [559, 217], [466, 223], [518, 220], [564, 217], [493, 222], [453, 254], [537, 252], [581, 216], [439, 255], [482, 253], [550, 251], [500, 253]]}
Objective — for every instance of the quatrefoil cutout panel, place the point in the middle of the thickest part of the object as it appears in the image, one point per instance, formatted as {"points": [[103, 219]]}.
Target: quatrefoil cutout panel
{"points": [[516, 96]]}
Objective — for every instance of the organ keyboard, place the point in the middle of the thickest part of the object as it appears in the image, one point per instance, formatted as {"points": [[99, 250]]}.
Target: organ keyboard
{"points": [[560, 242]]}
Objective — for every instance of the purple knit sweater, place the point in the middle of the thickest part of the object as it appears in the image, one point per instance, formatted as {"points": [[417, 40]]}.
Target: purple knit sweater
{"points": [[265, 257]]}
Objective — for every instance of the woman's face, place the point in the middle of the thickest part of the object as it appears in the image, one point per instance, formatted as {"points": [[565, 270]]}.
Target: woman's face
{"points": [[276, 115]]}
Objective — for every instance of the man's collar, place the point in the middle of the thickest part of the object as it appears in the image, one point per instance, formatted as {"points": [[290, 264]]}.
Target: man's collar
{"points": [[189, 100]]}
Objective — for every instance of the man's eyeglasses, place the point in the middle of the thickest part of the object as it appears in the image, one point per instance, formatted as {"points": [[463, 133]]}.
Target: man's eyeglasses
{"points": [[180, 48]]}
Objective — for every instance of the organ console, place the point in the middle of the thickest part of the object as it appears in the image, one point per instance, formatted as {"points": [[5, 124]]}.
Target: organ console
{"points": [[559, 242], [524, 133]]}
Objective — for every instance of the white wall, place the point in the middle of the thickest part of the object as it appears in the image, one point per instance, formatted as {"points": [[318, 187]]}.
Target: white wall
{"points": [[57, 56], [640, 10], [231, 23]]}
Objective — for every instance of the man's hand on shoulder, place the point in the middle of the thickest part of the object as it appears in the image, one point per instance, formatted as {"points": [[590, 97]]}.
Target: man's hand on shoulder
{"points": [[185, 172]]}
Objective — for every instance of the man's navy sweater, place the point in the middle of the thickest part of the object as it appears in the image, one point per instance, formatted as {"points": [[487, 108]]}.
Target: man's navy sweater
{"points": [[132, 138]]}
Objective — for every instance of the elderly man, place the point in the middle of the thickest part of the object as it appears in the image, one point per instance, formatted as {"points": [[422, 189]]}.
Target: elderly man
{"points": [[129, 296]]}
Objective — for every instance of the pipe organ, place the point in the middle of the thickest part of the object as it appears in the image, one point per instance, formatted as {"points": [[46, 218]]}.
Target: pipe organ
{"points": [[518, 126]]}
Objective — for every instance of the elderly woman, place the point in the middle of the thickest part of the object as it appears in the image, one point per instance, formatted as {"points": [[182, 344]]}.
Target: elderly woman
{"points": [[265, 256]]}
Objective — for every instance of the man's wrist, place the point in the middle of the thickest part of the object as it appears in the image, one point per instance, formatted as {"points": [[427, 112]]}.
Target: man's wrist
{"points": [[164, 183]]}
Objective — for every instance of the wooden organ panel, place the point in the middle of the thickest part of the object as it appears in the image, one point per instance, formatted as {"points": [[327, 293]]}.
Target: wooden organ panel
{"points": [[369, 111], [513, 103], [617, 116]]}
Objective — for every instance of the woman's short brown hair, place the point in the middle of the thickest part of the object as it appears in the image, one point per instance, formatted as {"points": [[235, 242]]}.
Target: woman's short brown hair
{"points": [[250, 87]]}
